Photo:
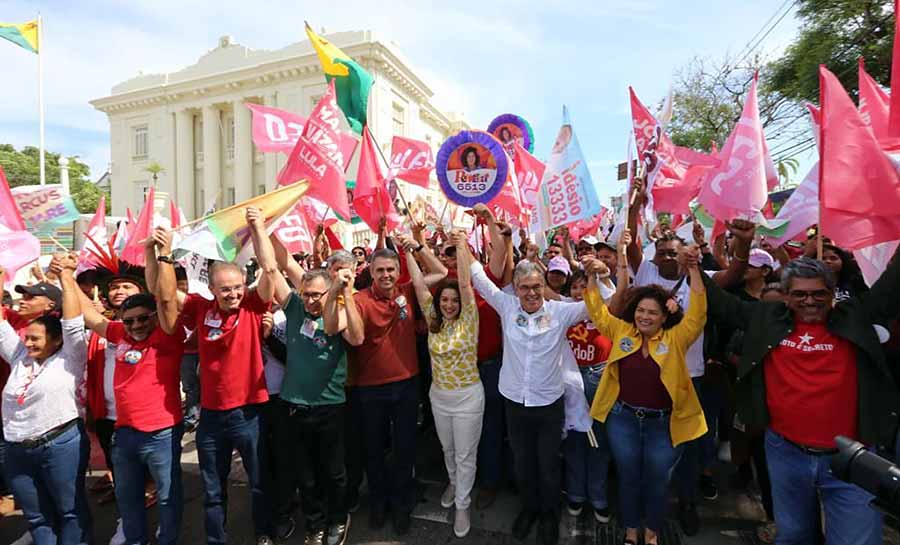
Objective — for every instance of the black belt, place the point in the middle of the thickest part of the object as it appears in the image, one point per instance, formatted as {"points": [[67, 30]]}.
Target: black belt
{"points": [[645, 414], [49, 436], [812, 451]]}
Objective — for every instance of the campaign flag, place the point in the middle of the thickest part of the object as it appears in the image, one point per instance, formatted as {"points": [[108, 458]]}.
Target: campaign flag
{"points": [[18, 247], [95, 240], [529, 171], [45, 207], [318, 156], [293, 231], [141, 230], [873, 260], [859, 184], [588, 226], [509, 200], [412, 160], [24, 35], [371, 200], [351, 80], [278, 130], [318, 212], [874, 103], [224, 235], [894, 117], [567, 191], [801, 210]]}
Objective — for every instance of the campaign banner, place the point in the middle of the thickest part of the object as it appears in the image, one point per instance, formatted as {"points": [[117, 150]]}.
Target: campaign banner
{"points": [[278, 130], [411, 160], [472, 167], [567, 191], [45, 207], [293, 230]]}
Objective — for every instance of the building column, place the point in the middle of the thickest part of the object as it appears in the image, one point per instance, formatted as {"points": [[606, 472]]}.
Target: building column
{"points": [[243, 152], [271, 159], [212, 156], [184, 163]]}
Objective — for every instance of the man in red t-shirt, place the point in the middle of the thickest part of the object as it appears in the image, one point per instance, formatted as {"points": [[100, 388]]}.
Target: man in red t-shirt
{"points": [[146, 344], [384, 370], [229, 332]]}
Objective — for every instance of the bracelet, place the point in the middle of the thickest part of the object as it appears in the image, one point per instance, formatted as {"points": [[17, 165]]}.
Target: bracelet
{"points": [[418, 249], [165, 259], [704, 245], [603, 276]]}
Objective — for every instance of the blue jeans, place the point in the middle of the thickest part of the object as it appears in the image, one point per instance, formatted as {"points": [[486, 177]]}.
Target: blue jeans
{"points": [[133, 454], [699, 453], [218, 435], [190, 382], [796, 479], [490, 446], [645, 457], [48, 482], [587, 468]]}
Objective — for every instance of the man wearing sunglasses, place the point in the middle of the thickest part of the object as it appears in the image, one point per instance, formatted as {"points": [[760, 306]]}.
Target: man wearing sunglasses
{"points": [[811, 370]]}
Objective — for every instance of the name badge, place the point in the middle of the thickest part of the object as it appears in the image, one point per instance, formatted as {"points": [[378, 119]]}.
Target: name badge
{"points": [[626, 345], [133, 357], [213, 320], [662, 348], [521, 320], [309, 328], [214, 334]]}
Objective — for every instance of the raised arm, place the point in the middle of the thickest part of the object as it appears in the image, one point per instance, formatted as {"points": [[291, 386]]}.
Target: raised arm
{"points": [[497, 259], [487, 289], [567, 248], [606, 323], [464, 273], [743, 232], [10, 343], [617, 303], [151, 271], [354, 333], [635, 252], [289, 265], [415, 273], [265, 255], [437, 270], [74, 338], [332, 314], [166, 293], [71, 304], [93, 320], [695, 317]]}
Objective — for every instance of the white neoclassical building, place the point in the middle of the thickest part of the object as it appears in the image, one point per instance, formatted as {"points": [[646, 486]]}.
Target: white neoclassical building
{"points": [[193, 123]]}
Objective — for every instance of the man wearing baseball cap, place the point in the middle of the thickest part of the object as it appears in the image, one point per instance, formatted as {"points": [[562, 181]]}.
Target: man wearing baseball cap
{"points": [[558, 272], [38, 299]]}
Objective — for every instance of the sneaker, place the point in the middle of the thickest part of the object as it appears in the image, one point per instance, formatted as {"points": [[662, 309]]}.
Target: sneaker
{"points": [[461, 522], [337, 533], [316, 537], [26, 539], [548, 529], [523, 523], [377, 516], [448, 497], [265, 540], [574, 508], [708, 487], [601, 515], [285, 528], [401, 523], [118, 538], [688, 518]]}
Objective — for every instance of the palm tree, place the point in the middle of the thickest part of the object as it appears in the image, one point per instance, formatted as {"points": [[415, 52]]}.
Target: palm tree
{"points": [[786, 168], [155, 169]]}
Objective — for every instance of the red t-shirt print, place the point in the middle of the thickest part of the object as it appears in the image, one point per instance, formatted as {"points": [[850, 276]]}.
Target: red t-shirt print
{"points": [[588, 345], [147, 378], [811, 387], [231, 363]]}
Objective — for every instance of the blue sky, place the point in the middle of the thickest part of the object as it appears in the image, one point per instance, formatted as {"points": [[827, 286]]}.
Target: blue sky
{"points": [[527, 57]]}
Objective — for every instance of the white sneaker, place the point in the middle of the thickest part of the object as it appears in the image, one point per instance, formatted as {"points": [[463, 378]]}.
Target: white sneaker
{"points": [[448, 498], [461, 523], [24, 540], [119, 537]]}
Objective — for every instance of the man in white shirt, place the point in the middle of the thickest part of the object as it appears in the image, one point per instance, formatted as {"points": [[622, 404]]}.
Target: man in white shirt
{"points": [[531, 381]]}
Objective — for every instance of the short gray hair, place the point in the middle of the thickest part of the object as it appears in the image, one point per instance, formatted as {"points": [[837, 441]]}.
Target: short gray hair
{"points": [[340, 256], [526, 268], [806, 267], [309, 276]]}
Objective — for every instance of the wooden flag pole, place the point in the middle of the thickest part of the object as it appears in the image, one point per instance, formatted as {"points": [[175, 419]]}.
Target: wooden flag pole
{"points": [[58, 243], [400, 193]]}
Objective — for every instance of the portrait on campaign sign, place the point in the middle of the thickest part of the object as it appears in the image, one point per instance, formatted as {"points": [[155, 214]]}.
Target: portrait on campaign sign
{"points": [[511, 129], [472, 167]]}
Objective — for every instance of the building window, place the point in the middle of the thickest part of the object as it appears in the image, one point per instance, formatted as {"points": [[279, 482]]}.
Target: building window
{"points": [[229, 139], [398, 119], [360, 237], [198, 145], [230, 195], [141, 142], [313, 101], [260, 189]]}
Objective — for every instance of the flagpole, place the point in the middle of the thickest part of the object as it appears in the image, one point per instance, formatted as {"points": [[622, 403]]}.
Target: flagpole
{"points": [[40, 55]]}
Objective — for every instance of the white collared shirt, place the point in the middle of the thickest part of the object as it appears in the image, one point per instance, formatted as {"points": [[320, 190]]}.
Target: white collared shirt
{"points": [[49, 388], [533, 344]]}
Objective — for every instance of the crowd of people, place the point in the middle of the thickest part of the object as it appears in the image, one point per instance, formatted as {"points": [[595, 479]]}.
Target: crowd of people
{"points": [[632, 361]]}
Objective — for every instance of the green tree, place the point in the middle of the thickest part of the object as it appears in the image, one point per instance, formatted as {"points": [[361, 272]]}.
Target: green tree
{"points": [[23, 168], [835, 33]]}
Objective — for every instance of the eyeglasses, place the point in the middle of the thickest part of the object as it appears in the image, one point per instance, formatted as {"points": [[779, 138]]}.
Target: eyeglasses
{"points": [[313, 296], [818, 295], [142, 319], [528, 289]]}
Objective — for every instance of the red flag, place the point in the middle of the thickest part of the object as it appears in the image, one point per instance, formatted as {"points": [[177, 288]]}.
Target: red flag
{"points": [[859, 186], [509, 199], [279, 130], [894, 123], [18, 247], [174, 215], [333, 241], [529, 173], [370, 196], [134, 251], [292, 230], [10, 217], [874, 103], [95, 242], [411, 160], [318, 157]]}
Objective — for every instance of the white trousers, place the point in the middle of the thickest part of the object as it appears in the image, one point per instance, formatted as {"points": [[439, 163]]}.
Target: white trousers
{"points": [[458, 416]]}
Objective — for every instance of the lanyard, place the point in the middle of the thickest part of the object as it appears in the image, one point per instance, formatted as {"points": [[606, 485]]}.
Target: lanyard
{"points": [[32, 376]]}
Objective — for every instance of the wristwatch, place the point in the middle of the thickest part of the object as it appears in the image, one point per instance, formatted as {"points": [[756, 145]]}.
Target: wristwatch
{"points": [[418, 249], [165, 259]]}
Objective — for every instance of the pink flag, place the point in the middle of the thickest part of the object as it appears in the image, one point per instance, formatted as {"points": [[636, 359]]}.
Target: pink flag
{"points": [[279, 130], [370, 196], [134, 251], [874, 103], [18, 247], [509, 200], [801, 210], [318, 212], [859, 185], [529, 172], [176, 216], [588, 226], [411, 160], [737, 188], [894, 119], [873, 260], [95, 241], [318, 156], [293, 230]]}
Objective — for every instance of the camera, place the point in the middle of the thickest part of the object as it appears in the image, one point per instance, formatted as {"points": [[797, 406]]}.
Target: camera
{"points": [[854, 464]]}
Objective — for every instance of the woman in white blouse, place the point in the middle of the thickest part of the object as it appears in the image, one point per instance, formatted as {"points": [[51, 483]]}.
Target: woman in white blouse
{"points": [[47, 449]]}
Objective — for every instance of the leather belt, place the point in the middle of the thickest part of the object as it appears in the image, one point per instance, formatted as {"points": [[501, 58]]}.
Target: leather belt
{"points": [[645, 414], [47, 437], [812, 451]]}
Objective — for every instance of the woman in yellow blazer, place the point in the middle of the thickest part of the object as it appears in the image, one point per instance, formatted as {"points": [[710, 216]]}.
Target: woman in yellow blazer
{"points": [[646, 397]]}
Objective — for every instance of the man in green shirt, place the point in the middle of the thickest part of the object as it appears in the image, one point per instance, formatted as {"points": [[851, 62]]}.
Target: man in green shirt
{"points": [[310, 419]]}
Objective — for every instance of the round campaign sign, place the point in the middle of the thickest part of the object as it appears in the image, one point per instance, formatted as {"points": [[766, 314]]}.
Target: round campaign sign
{"points": [[509, 129], [471, 167]]}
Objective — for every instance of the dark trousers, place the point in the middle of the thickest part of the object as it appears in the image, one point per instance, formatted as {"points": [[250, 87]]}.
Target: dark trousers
{"points": [[354, 447], [48, 482], [311, 442], [390, 410], [535, 436], [699, 453], [104, 429], [490, 446], [190, 383], [218, 435]]}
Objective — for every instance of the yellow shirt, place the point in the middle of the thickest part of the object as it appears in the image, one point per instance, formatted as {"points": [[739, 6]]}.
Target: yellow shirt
{"points": [[667, 348], [454, 349]]}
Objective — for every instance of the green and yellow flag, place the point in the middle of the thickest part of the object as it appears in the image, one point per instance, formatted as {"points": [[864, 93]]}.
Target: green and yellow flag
{"points": [[24, 35], [351, 81]]}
